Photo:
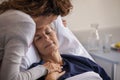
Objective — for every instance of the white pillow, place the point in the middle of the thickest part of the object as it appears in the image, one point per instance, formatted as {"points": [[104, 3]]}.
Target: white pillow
{"points": [[68, 44], [30, 58]]}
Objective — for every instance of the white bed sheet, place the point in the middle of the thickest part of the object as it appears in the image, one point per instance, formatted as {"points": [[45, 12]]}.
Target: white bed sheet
{"points": [[86, 76]]}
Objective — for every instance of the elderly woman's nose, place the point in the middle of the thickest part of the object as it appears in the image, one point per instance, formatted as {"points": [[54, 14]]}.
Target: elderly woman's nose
{"points": [[46, 37]]}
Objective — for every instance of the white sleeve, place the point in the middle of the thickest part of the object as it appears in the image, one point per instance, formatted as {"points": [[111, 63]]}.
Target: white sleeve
{"points": [[17, 34], [30, 57], [68, 43]]}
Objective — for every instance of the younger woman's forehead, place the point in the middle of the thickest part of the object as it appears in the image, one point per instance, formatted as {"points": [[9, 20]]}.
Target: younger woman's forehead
{"points": [[43, 27]]}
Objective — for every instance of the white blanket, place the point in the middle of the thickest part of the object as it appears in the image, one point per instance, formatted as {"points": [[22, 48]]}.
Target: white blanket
{"points": [[86, 76]]}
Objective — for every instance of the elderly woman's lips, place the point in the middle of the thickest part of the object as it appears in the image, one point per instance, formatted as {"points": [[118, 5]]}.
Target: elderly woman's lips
{"points": [[49, 45]]}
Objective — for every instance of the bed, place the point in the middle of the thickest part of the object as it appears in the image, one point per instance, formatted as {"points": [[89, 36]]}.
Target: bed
{"points": [[68, 44]]}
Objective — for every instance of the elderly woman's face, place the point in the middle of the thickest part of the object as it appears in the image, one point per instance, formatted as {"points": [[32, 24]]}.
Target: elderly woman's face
{"points": [[45, 40]]}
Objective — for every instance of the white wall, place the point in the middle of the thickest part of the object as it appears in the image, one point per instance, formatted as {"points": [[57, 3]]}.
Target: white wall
{"points": [[85, 12]]}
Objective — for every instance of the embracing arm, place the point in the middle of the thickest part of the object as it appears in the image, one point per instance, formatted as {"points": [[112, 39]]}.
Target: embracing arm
{"points": [[18, 37]]}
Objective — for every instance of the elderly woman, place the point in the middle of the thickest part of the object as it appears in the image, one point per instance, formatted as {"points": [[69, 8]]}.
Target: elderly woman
{"points": [[47, 44]]}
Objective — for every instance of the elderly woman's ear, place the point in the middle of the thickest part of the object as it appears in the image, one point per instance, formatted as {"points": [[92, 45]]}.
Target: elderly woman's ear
{"points": [[64, 22]]}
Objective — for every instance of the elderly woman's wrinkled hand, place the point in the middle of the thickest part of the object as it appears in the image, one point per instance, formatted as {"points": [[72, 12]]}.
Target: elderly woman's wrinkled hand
{"points": [[54, 75], [54, 71], [53, 67]]}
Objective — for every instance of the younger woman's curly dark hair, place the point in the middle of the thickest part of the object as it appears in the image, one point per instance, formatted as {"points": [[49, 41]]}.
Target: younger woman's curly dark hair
{"points": [[38, 7]]}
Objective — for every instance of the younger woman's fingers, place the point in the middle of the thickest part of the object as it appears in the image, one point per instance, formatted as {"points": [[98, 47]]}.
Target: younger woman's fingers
{"points": [[61, 73]]}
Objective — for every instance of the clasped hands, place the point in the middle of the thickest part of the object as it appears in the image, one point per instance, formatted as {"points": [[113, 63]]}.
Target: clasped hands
{"points": [[54, 71]]}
